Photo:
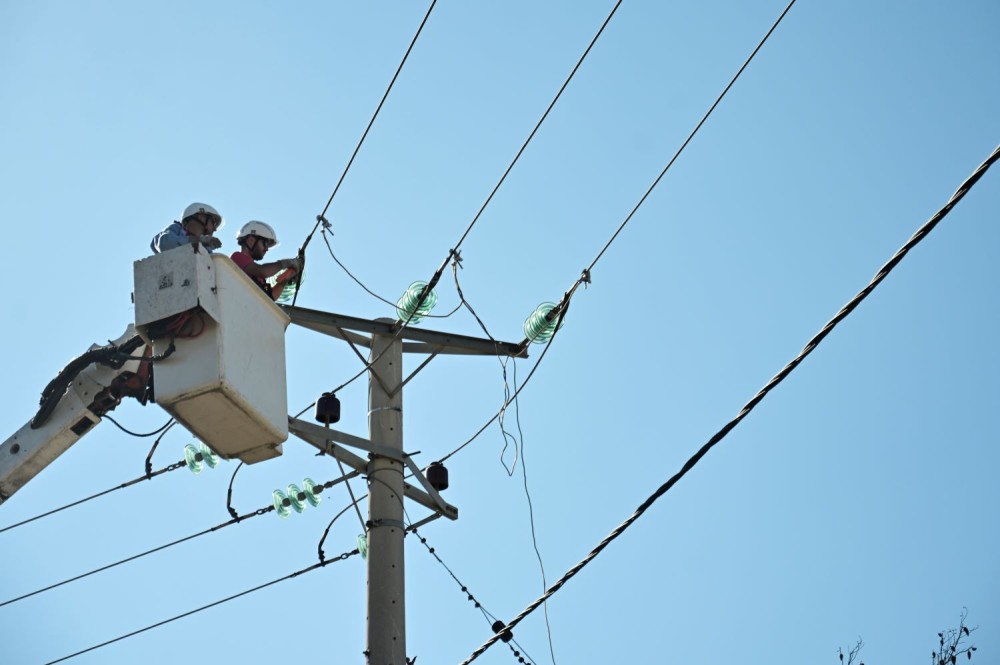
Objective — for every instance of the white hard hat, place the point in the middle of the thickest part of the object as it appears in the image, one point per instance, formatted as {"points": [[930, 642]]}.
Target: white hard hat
{"points": [[196, 208], [258, 229]]}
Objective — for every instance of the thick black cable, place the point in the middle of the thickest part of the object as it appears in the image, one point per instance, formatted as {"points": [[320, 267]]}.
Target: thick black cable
{"points": [[322, 216], [307, 569], [149, 456], [140, 436], [883, 272], [109, 566], [229, 493], [134, 481], [690, 136]]}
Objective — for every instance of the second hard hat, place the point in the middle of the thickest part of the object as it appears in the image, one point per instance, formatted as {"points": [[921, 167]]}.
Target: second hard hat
{"points": [[258, 229]]}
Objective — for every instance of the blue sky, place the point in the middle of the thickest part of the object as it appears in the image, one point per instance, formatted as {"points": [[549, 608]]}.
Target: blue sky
{"points": [[859, 499]]}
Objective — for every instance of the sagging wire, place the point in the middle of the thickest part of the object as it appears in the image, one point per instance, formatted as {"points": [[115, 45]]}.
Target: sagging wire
{"points": [[560, 312], [321, 218], [518, 447], [507, 436], [810, 346], [495, 624], [165, 426], [307, 569], [365, 288]]}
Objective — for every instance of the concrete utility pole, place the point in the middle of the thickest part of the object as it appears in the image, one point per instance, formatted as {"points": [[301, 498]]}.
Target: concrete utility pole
{"points": [[386, 579], [387, 341]]}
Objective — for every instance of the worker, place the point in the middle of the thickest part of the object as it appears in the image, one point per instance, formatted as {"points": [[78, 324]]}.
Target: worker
{"points": [[254, 239], [198, 224]]}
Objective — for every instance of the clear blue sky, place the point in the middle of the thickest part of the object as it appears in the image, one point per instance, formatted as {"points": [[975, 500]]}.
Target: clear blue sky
{"points": [[859, 499]]}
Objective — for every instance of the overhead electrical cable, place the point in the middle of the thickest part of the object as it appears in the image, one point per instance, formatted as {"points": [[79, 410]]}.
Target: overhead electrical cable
{"points": [[109, 566], [491, 619], [308, 569], [454, 253], [585, 278], [235, 520], [322, 216], [810, 346], [129, 483]]}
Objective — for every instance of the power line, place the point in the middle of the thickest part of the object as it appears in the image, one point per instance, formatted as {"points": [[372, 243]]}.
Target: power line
{"points": [[454, 252], [134, 481], [235, 520], [308, 569], [538, 124], [495, 624], [322, 216], [109, 566], [690, 136], [883, 272]]}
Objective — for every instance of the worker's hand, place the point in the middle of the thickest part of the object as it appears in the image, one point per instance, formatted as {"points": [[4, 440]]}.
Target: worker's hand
{"points": [[295, 264], [210, 241]]}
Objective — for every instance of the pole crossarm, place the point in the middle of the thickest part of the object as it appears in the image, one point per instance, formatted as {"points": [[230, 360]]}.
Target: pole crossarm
{"points": [[346, 327], [326, 440]]}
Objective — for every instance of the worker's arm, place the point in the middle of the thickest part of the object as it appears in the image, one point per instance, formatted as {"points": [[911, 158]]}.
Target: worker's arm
{"points": [[265, 270], [283, 279]]}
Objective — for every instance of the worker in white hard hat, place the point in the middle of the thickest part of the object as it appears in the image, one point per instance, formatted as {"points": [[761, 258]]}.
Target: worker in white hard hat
{"points": [[197, 226], [254, 239]]}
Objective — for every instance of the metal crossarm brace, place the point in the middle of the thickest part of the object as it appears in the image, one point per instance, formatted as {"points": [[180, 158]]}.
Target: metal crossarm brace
{"points": [[326, 440]]}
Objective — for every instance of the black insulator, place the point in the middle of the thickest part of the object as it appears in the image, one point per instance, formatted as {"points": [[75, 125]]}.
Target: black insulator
{"points": [[499, 626], [437, 476], [328, 409]]}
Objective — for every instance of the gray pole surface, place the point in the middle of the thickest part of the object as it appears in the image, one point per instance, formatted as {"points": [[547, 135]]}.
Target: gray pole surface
{"points": [[386, 581]]}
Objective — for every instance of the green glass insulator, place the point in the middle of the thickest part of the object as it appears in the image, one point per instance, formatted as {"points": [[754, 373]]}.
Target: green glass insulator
{"points": [[406, 306], [209, 456], [312, 493], [297, 497], [282, 504], [538, 328], [363, 545], [193, 458]]}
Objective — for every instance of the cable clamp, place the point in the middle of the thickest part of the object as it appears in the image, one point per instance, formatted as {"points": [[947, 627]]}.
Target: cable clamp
{"points": [[385, 408], [327, 226], [585, 277], [456, 258]]}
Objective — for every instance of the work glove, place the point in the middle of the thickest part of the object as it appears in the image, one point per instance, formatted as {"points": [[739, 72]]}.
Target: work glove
{"points": [[208, 241], [295, 263]]}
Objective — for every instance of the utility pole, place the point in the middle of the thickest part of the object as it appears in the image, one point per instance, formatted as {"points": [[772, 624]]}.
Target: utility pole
{"points": [[386, 462], [386, 578]]}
